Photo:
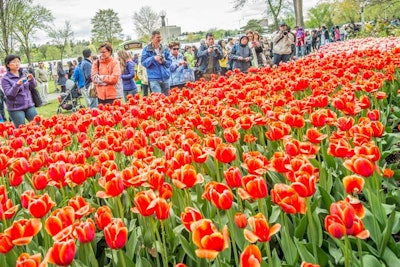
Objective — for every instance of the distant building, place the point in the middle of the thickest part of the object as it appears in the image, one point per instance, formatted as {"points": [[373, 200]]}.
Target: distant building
{"points": [[170, 32]]}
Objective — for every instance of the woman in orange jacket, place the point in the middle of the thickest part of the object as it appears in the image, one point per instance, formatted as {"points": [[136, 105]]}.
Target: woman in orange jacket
{"points": [[105, 75]]}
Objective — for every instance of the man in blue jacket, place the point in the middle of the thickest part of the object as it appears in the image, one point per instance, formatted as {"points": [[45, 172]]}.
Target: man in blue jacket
{"points": [[157, 60]]}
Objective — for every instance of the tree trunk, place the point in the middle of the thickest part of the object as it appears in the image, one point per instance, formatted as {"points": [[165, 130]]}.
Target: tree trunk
{"points": [[298, 11]]}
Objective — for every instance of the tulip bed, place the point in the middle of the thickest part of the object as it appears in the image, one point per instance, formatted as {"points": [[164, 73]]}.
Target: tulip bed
{"points": [[277, 167]]}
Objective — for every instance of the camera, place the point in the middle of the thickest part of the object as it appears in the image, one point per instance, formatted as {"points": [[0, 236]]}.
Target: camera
{"points": [[285, 32], [162, 59], [184, 58], [215, 47]]}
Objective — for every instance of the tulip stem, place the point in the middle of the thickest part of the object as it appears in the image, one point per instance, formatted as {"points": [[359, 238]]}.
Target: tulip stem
{"points": [[360, 253], [122, 256], [120, 208], [232, 225], [165, 261], [346, 251], [311, 228], [217, 170], [269, 255]]}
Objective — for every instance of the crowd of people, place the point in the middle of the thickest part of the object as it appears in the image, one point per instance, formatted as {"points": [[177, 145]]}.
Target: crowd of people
{"points": [[103, 79]]}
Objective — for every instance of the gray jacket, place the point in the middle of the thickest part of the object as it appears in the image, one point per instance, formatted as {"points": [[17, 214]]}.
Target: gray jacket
{"points": [[204, 57]]}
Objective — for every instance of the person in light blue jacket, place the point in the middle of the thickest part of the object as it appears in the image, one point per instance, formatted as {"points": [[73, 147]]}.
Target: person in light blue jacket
{"points": [[180, 70], [157, 60]]}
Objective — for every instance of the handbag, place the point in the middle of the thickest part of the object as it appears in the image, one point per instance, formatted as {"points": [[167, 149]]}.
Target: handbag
{"points": [[119, 88], [36, 97], [92, 92]]}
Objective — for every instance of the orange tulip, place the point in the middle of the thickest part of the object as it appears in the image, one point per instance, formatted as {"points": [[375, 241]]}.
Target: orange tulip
{"points": [[314, 135], [6, 243], [335, 226], [112, 183], [277, 130], [304, 183], [19, 166], [280, 161], [218, 194], [360, 165], [40, 180], [287, 198], [249, 138], [240, 220], [189, 216], [85, 231], [103, 217], [225, 153], [254, 187], [255, 162], [116, 234], [260, 230], [353, 184], [81, 207], [62, 253], [208, 239], [198, 153], [160, 207], [345, 123], [59, 219], [142, 202], [357, 206], [250, 257], [40, 205], [231, 135], [23, 231], [26, 260], [306, 264], [186, 177], [358, 230], [233, 177], [388, 173]]}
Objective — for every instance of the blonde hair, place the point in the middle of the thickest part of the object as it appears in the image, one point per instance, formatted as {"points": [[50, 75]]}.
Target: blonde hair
{"points": [[123, 57]]}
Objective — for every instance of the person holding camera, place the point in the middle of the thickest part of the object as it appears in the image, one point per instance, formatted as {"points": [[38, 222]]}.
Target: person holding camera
{"points": [[209, 55], [282, 44], [180, 69], [241, 55], [157, 61], [17, 86]]}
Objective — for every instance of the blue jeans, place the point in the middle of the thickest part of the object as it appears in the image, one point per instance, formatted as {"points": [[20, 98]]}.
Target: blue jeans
{"points": [[18, 116], [278, 58], [159, 86], [130, 92]]}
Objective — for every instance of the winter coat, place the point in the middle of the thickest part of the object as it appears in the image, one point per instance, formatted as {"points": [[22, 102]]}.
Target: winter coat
{"points": [[180, 74], [78, 76], [18, 97], [110, 72], [86, 67], [204, 57], [282, 44], [128, 84], [241, 51], [155, 70]]}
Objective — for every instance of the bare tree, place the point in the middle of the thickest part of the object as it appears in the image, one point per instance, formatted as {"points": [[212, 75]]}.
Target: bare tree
{"points": [[298, 11], [106, 26], [146, 21], [32, 19], [61, 36]]}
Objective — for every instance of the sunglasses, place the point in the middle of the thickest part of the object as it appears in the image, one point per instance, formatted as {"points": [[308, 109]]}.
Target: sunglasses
{"points": [[175, 48]]}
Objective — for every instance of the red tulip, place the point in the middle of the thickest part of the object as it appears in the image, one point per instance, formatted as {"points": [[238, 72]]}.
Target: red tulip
{"points": [[112, 184], [23, 231], [260, 230], [255, 162], [353, 184], [19, 166], [315, 136], [306, 264], [233, 177], [40, 205], [60, 219], [277, 130], [360, 165], [198, 153], [288, 199], [218, 194], [225, 153], [116, 234], [208, 239], [40, 180], [254, 187], [231, 135], [251, 257], [81, 207], [26, 260], [186, 177], [85, 231], [142, 202], [335, 226], [160, 207], [240, 220], [62, 253], [103, 217], [189, 216], [6, 243]]}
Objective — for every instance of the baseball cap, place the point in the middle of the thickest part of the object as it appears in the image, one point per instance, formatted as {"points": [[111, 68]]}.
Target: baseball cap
{"points": [[282, 23]]}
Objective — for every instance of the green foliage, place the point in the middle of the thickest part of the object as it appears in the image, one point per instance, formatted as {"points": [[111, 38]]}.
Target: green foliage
{"points": [[106, 26]]}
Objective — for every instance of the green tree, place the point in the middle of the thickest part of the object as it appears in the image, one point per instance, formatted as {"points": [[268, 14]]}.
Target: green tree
{"points": [[319, 15], [253, 25], [345, 11], [32, 19], [106, 26], [10, 12], [146, 21], [61, 36]]}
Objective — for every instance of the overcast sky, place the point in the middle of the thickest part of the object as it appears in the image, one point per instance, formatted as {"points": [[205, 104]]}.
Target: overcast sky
{"points": [[191, 16]]}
